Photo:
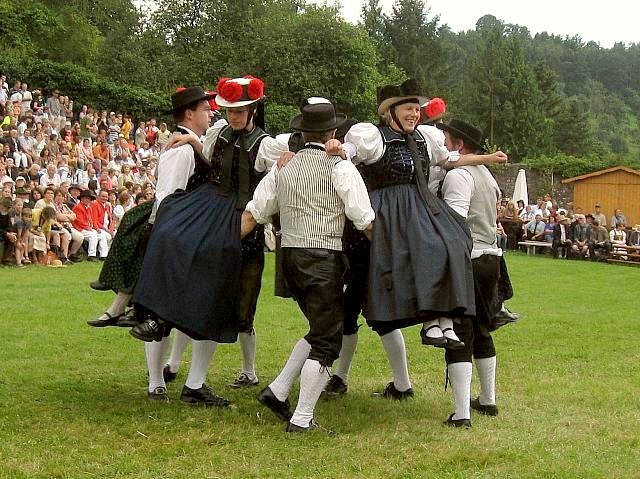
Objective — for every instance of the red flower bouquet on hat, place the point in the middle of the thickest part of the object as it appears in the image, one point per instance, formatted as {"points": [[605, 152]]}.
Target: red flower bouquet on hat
{"points": [[230, 91], [255, 90]]}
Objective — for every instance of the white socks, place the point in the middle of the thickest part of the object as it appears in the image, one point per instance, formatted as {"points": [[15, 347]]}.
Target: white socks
{"points": [[180, 341], [118, 304], [348, 349], [313, 379], [433, 329], [155, 353], [201, 353], [281, 385], [393, 343], [460, 377], [487, 372], [248, 348], [446, 324]]}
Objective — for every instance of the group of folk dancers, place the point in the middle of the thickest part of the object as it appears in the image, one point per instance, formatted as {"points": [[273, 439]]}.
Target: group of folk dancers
{"points": [[368, 223]]}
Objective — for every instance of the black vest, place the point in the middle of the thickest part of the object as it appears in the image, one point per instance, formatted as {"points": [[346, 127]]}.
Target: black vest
{"points": [[397, 164]]}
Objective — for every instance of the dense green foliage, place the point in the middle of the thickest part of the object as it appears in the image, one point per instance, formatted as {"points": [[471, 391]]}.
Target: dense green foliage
{"points": [[537, 97]]}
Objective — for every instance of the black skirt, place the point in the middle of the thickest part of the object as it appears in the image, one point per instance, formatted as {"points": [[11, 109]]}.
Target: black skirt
{"points": [[420, 261], [121, 269], [190, 275]]}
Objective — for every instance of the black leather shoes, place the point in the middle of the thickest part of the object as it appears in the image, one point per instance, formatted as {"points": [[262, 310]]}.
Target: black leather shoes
{"points": [[98, 286], [244, 381], [151, 329], [158, 394], [130, 319], [108, 321], [167, 374], [335, 388], [282, 409], [440, 342], [505, 315], [390, 392], [458, 422], [92, 258], [203, 396], [487, 410], [452, 343]]}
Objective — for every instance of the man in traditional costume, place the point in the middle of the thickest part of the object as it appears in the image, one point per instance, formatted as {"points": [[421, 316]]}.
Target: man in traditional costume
{"points": [[472, 192], [312, 193]]}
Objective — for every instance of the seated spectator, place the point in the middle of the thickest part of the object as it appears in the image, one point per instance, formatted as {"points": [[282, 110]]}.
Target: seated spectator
{"points": [[125, 176], [23, 233], [84, 224], [550, 229], [510, 212], [618, 237], [163, 136], [84, 153], [73, 197], [618, 217], [8, 235], [51, 177], [103, 224], [123, 205], [540, 207], [71, 239], [527, 215], [501, 237], [562, 237], [599, 243], [534, 229], [580, 239], [599, 215], [634, 236]]}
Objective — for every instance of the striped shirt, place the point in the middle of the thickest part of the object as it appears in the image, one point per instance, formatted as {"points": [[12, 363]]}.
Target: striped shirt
{"points": [[313, 193]]}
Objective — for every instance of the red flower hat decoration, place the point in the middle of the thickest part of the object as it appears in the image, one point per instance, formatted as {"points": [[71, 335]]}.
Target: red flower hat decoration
{"points": [[230, 91]]}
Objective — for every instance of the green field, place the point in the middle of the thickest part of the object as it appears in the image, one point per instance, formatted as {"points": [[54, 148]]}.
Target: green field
{"points": [[73, 398]]}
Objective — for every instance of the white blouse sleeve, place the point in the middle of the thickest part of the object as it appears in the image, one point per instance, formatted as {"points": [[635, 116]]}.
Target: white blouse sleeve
{"points": [[270, 151], [353, 193], [367, 140], [211, 136], [265, 199], [438, 153]]}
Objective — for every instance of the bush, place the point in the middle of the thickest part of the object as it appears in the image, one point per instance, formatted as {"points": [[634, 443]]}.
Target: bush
{"points": [[86, 88], [277, 118]]}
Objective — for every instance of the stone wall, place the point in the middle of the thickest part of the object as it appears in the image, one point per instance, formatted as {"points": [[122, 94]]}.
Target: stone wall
{"points": [[538, 183]]}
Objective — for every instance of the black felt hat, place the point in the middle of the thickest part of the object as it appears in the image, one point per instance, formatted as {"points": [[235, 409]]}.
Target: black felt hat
{"points": [[471, 135], [186, 97], [317, 117], [390, 95], [87, 194]]}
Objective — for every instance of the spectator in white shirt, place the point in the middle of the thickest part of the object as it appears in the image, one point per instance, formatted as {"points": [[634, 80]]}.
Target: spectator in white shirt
{"points": [[51, 177]]}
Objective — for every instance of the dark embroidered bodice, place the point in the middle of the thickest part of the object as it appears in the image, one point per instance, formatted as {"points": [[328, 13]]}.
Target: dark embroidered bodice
{"points": [[231, 165], [397, 164]]}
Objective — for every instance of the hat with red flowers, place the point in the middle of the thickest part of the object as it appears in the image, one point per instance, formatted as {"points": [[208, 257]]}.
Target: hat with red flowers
{"points": [[237, 92], [433, 110]]}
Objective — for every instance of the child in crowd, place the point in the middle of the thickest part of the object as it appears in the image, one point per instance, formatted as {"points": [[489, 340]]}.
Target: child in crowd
{"points": [[23, 230]]}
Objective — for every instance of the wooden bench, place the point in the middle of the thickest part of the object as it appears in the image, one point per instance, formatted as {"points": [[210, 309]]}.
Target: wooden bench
{"points": [[630, 255], [532, 245]]}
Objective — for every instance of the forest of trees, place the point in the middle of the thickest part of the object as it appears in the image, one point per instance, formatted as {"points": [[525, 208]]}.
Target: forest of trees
{"points": [[552, 102]]}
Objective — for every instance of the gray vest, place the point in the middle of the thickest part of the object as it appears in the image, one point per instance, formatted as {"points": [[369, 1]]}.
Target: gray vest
{"points": [[483, 214], [311, 212]]}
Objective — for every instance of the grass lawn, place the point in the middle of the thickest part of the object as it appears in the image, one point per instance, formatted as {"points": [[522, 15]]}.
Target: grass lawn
{"points": [[73, 398]]}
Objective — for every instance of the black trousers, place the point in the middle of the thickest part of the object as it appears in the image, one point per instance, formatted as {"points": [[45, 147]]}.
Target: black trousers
{"points": [[315, 279], [250, 284], [475, 331], [355, 292]]}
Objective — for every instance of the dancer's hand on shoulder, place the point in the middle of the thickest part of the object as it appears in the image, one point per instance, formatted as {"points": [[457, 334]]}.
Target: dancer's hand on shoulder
{"points": [[498, 157], [285, 158], [333, 147], [179, 140]]}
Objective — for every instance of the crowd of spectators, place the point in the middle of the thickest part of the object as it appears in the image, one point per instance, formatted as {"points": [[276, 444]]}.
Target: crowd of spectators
{"points": [[570, 232], [68, 175]]}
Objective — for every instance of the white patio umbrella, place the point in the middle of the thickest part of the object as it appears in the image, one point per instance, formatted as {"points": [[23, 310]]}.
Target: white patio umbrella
{"points": [[520, 192]]}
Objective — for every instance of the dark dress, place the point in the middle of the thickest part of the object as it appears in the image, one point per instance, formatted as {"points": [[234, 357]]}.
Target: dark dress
{"points": [[420, 258], [191, 272], [122, 267]]}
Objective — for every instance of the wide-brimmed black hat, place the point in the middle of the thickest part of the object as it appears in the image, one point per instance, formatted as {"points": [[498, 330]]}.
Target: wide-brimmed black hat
{"points": [[74, 186], [471, 135], [186, 97], [390, 95], [317, 117], [87, 194]]}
